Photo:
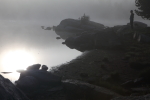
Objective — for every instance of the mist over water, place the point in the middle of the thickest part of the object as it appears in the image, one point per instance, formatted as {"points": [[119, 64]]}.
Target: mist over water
{"points": [[21, 21], [29, 37]]}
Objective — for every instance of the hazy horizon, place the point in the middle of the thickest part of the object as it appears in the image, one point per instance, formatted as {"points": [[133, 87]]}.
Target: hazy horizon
{"points": [[51, 12], [21, 21]]}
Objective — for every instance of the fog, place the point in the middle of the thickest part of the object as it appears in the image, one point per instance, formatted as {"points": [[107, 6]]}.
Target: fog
{"points": [[109, 12], [21, 21]]}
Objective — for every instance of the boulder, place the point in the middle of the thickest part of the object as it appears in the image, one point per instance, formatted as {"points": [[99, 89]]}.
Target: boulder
{"points": [[142, 38], [72, 27], [81, 90], [42, 77], [28, 83], [58, 37], [34, 67], [48, 28], [8, 91], [138, 24], [91, 40], [44, 68], [145, 97]]}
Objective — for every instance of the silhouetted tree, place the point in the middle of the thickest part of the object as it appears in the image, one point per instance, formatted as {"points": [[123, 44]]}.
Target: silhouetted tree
{"points": [[143, 8], [85, 19]]}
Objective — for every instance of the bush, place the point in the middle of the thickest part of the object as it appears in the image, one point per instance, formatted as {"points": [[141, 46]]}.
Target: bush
{"points": [[85, 19]]}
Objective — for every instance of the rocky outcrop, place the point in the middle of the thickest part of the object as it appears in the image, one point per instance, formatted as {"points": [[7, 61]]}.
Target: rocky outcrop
{"points": [[98, 40], [93, 35], [72, 27], [8, 91], [33, 78], [145, 97], [79, 90]]}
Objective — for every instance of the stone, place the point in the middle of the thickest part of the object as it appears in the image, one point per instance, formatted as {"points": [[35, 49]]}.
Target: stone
{"points": [[43, 77], [128, 84], [84, 75], [27, 83], [72, 27], [8, 91], [44, 68], [86, 91], [145, 97], [58, 37], [34, 67], [48, 28]]}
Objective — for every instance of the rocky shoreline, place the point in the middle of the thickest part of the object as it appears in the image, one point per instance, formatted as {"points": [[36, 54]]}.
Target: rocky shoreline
{"points": [[114, 66]]}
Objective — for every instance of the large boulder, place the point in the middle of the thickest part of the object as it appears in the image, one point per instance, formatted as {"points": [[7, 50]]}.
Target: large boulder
{"points": [[80, 90], [32, 78], [145, 97], [8, 91], [43, 77], [34, 67], [28, 83], [138, 24], [90, 40], [72, 27]]}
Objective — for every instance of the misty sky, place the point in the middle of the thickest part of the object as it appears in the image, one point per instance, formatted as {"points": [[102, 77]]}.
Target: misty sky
{"points": [[53, 11], [21, 21]]}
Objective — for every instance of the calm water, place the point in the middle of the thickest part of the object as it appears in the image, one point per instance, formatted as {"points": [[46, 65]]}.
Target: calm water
{"points": [[25, 43]]}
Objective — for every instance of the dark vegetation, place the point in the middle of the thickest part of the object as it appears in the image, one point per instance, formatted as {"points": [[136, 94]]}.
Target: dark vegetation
{"points": [[85, 19], [110, 68], [143, 8]]}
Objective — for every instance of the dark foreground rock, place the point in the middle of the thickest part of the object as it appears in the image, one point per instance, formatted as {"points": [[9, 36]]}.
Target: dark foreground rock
{"points": [[145, 97], [90, 40], [72, 27], [33, 79], [76, 90], [8, 91]]}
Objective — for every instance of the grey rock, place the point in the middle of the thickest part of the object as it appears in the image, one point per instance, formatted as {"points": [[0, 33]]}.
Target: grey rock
{"points": [[43, 77], [28, 83], [145, 97], [34, 67], [71, 27], [128, 84], [48, 28], [8, 91], [44, 68], [138, 24], [87, 91]]}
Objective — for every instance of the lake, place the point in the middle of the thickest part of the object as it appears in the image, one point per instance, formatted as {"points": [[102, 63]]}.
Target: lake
{"points": [[26, 43]]}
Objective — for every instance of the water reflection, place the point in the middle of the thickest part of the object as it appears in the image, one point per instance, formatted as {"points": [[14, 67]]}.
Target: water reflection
{"points": [[17, 59], [25, 43]]}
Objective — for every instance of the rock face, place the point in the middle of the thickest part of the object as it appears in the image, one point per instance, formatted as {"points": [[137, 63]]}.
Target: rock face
{"points": [[89, 40], [33, 78], [79, 90], [146, 97], [71, 27], [8, 91]]}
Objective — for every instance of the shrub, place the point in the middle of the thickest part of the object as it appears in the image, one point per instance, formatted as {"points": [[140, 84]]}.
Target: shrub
{"points": [[85, 19]]}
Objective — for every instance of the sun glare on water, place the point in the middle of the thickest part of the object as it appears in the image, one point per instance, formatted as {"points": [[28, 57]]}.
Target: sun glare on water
{"points": [[18, 59]]}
